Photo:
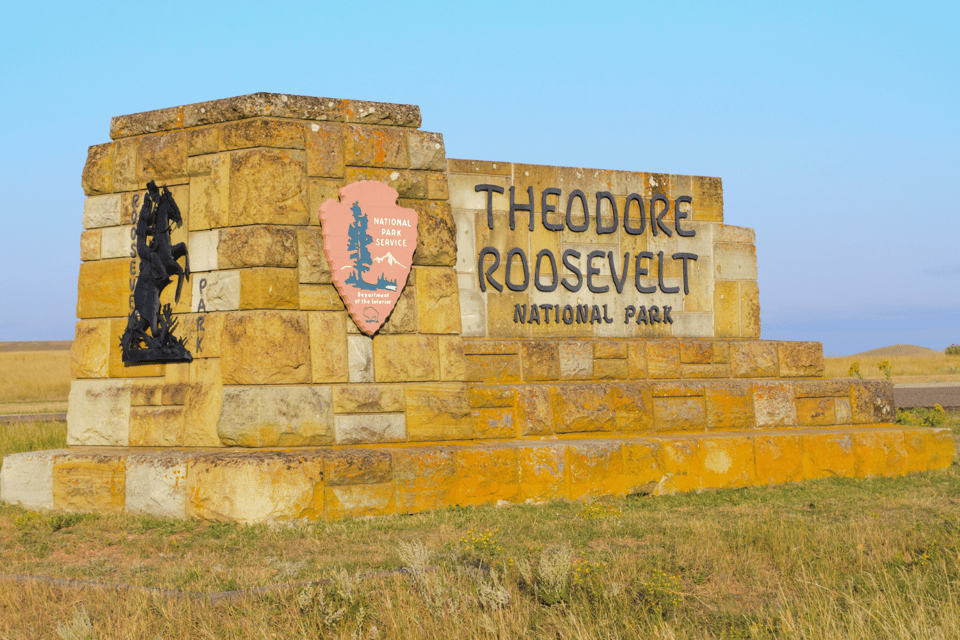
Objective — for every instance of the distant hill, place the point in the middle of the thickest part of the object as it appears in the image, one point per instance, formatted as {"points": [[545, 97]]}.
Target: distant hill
{"points": [[898, 350], [37, 345]]}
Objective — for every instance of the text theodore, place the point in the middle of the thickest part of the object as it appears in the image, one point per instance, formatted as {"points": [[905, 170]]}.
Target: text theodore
{"points": [[547, 271]]}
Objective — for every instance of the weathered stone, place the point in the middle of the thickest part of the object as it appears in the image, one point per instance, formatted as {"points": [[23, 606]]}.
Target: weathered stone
{"points": [[403, 317], [320, 297], [261, 132], [779, 458], [203, 403], [405, 358], [26, 479], [426, 150], [679, 414], [490, 397], [203, 250], [677, 389], [494, 423], [357, 466], [146, 392], [637, 360], [610, 369], [632, 403], [90, 245], [822, 388], [681, 467], [156, 485], [827, 455], [726, 309], [595, 469], [328, 346], [221, 291], [479, 167], [728, 462], [201, 333], [816, 412], [360, 501], [269, 288], [436, 233], [438, 300], [606, 349], [872, 401], [581, 407], [929, 449], [125, 165], [879, 454], [375, 147], [842, 408], [534, 410], [162, 157], [500, 314], [541, 361], [409, 184], [98, 170], [453, 362], [576, 360], [800, 359], [90, 352], [210, 193], [104, 289], [437, 188], [663, 359], [424, 479], [147, 122], [438, 412], [504, 369], [730, 406], [268, 186], [324, 143], [156, 427], [263, 486], [88, 483], [749, 310], [542, 469], [101, 211], [313, 259], [98, 413], [257, 246], [773, 405], [360, 358], [370, 428], [491, 347], [753, 359], [265, 347], [367, 399], [696, 352], [707, 199], [487, 475], [203, 141], [735, 261], [276, 416]]}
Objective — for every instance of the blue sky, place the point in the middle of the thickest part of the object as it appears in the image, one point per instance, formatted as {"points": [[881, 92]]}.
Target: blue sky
{"points": [[834, 126]]}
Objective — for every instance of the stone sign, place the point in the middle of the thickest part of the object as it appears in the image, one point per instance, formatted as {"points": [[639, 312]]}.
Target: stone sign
{"points": [[376, 328]]}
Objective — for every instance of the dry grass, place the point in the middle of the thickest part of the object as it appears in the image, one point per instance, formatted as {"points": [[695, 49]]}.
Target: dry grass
{"points": [[34, 376], [31, 436], [934, 368]]}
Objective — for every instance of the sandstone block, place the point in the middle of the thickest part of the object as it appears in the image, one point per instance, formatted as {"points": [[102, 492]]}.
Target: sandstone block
{"points": [[203, 403], [800, 359], [842, 408], [409, 184], [749, 310], [827, 455], [696, 352], [663, 359], [642, 465], [203, 250], [276, 416], [328, 346], [734, 261], [707, 199], [581, 408], [203, 141], [576, 360], [357, 466], [490, 397], [156, 485], [210, 193], [257, 246], [125, 165], [753, 359], [487, 475], [104, 289], [453, 362], [90, 353], [366, 146], [436, 233], [320, 297], [102, 211], [437, 188], [632, 404], [879, 454], [679, 414], [773, 404], [426, 151], [541, 471], [261, 132], [403, 318], [156, 427], [492, 368], [88, 482], [367, 399], [726, 309], [360, 501], [499, 313], [816, 412], [491, 347], [98, 413], [265, 486], [610, 369], [872, 401], [438, 300], [479, 167], [406, 358], [728, 462], [822, 388], [265, 347], [268, 186], [269, 288], [595, 469], [424, 478], [681, 467], [146, 392], [98, 170], [90, 245], [730, 406], [491, 423], [705, 371], [162, 157], [218, 290], [541, 361], [202, 333], [26, 479], [438, 412], [324, 143], [319, 190], [360, 358], [779, 458], [534, 410], [115, 242], [370, 428], [637, 360], [678, 389], [312, 258]]}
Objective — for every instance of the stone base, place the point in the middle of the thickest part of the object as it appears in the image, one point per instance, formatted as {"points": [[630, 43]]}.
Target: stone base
{"points": [[329, 483]]}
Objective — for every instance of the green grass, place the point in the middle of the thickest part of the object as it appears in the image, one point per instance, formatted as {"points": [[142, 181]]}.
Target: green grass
{"points": [[17, 437]]}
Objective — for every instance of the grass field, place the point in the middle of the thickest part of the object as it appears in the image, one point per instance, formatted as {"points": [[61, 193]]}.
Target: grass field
{"points": [[34, 381], [829, 559], [909, 368]]}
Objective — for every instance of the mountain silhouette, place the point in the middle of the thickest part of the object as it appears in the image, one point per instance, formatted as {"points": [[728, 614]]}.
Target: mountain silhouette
{"points": [[389, 258]]}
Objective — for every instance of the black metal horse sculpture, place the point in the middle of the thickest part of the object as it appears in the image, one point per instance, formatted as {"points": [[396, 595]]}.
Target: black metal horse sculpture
{"points": [[159, 262]]}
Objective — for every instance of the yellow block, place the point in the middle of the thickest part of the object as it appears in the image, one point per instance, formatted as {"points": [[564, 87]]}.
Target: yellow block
{"points": [[487, 475], [89, 484]]}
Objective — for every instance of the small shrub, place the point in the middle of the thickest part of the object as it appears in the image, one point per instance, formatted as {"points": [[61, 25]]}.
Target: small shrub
{"points": [[659, 594], [886, 369], [79, 628], [922, 417], [952, 350], [854, 371]]}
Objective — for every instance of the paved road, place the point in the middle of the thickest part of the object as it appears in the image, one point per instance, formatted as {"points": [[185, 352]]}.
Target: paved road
{"points": [[920, 394]]}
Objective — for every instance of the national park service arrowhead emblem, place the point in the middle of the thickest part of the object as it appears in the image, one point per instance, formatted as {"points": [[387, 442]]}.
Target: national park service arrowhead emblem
{"points": [[369, 241]]}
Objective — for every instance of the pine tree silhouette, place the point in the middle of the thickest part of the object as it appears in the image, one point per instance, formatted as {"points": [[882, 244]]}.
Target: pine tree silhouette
{"points": [[359, 241]]}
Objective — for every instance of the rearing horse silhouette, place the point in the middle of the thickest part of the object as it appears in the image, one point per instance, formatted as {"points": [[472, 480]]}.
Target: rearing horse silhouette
{"points": [[158, 258]]}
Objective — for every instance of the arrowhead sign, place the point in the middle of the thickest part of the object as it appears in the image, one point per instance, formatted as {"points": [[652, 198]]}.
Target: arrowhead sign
{"points": [[369, 241]]}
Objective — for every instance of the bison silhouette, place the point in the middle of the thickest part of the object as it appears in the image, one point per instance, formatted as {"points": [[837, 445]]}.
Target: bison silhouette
{"points": [[371, 314]]}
